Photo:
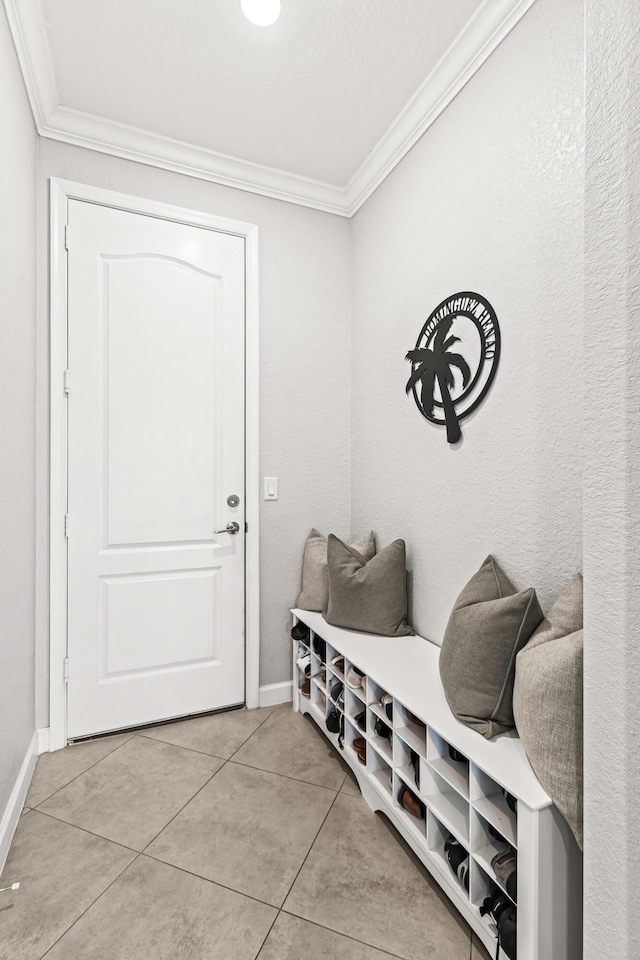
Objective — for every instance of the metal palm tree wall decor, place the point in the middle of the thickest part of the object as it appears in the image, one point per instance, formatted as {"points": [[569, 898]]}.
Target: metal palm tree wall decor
{"points": [[449, 385]]}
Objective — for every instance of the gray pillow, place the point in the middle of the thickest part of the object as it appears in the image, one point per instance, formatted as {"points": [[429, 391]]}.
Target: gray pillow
{"points": [[314, 594], [547, 704], [490, 622], [368, 595]]}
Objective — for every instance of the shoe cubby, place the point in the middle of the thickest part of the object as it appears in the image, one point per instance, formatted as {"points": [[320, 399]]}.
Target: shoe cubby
{"points": [[413, 734], [381, 744], [485, 846], [458, 787], [481, 887], [487, 797], [437, 836], [405, 761], [335, 663], [448, 805], [440, 757], [380, 771], [358, 691]]}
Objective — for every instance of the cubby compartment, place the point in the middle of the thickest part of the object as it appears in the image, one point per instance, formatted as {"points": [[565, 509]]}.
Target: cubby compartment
{"points": [[485, 847], [375, 693], [437, 837], [449, 807], [380, 742], [417, 825], [359, 692], [413, 734], [318, 646], [354, 707], [489, 800], [481, 887], [405, 763], [351, 733], [335, 663], [440, 756], [380, 771], [335, 691]]}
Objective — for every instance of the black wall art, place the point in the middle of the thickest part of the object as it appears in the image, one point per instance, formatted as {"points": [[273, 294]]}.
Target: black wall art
{"points": [[449, 382]]}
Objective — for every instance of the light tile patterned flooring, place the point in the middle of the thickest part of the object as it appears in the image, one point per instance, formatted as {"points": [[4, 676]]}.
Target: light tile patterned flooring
{"points": [[228, 837]]}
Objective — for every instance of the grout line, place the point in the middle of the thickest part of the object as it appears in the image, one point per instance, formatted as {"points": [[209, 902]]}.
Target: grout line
{"points": [[202, 752], [75, 826], [93, 902], [90, 767], [311, 846], [284, 776], [216, 883], [186, 804], [339, 933], [257, 956]]}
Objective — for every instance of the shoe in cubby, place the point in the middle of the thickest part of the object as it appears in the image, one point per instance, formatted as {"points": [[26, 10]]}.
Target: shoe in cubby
{"points": [[487, 844], [355, 680], [381, 737], [413, 734], [448, 762], [488, 798]]}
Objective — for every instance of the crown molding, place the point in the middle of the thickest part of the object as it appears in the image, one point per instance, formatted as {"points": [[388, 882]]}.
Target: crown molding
{"points": [[492, 22]]}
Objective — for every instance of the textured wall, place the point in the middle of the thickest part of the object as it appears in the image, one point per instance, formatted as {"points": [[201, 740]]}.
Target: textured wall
{"points": [[304, 371], [17, 403], [489, 200], [612, 480]]}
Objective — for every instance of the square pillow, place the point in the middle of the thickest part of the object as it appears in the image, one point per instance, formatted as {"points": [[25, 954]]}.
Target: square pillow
{"points": [[314, 594], [490, 623], [369, 595], [547, 703]]}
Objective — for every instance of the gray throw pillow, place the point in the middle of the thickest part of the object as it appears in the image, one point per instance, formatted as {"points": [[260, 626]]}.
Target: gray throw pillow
{"points": [[314, 594], [368, 595], [490, 622], [547, 704]]}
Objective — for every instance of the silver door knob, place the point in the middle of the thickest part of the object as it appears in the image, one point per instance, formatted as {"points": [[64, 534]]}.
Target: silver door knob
{"points": [[232, 527]]}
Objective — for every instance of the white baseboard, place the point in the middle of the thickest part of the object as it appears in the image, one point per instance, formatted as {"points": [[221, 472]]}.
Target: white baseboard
{"points": [[272, 693], [15, 804], [43, 740]]}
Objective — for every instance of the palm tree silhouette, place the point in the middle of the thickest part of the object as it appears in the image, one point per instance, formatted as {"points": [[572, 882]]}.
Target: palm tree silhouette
{"points": [[437, 363]]}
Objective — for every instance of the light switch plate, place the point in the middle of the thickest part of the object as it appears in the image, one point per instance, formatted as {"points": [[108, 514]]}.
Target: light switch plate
{"points": [[271, 488]]}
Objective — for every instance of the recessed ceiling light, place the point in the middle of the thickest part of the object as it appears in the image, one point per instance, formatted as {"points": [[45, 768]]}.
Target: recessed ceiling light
{"points": [[261, 12]]}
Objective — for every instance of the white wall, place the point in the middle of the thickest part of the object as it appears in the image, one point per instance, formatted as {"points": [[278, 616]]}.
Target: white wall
{"points": [[17, 406], [489, 200], [612, 481], [304, 371]]}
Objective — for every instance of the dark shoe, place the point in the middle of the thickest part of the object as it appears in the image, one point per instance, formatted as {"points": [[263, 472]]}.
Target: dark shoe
{"points": [[305, 689], [359, 744], [415, 764], [320, 646], [411, 803], [413, 719], [300, 631], [458, 860], [335, 689], [387, 705], [362, 755], [382, 729], [457, 756], [361, 720]]}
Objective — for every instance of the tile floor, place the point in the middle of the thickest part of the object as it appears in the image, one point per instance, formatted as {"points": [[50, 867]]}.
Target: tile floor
{"points": [[228, 837]]}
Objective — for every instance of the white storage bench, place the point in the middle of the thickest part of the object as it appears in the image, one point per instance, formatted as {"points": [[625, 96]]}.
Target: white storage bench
{"points": [[461, 799]]}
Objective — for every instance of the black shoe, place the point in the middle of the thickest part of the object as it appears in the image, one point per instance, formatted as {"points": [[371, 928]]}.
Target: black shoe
{"points": [[415, 763], [300, 631], [457, 756], [458, 860], [320, 647], [361, 720]]}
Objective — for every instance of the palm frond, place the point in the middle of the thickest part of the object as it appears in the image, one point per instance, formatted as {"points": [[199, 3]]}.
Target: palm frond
{"points": [[418, 355], [441, 334], [418, 374]]}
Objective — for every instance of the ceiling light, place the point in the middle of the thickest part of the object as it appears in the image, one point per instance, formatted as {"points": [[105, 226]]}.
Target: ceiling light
{"points": [[261, 12]]}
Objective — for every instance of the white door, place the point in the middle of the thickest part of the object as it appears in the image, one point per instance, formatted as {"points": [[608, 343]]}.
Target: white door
{"points": [[156, 448]]}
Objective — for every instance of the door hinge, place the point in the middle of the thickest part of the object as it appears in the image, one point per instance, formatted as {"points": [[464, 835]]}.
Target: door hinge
{"points": [[66, 524], [65, 669], [66, 237], [246, 527], [65, 381]]}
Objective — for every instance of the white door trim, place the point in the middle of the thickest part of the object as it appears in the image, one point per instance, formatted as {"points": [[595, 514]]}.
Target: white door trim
{"points": [[61, 191]]}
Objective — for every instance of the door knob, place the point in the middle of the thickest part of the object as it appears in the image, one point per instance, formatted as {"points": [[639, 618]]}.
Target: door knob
{"points": [[232, 527]]}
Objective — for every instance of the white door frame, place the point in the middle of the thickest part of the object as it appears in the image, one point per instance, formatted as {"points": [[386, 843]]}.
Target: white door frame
{"points": [[61, 191]]}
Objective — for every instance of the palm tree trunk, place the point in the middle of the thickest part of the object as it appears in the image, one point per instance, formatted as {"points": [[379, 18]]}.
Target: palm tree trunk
{"points": [[453, 427]]}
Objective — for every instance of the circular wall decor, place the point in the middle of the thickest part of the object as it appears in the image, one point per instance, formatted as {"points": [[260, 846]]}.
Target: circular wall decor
{"points": [[449, 384]]}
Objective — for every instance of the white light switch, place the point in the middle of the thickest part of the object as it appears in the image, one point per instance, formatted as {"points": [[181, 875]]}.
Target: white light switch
{"points": [[271, 488]]}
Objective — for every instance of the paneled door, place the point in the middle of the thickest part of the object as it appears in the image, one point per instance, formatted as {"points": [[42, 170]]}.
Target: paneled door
{"points": [[156, 519]]}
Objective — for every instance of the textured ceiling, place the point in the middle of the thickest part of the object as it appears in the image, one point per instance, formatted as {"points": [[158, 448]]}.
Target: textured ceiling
{"points": [[311, 95]]}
